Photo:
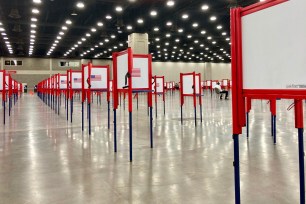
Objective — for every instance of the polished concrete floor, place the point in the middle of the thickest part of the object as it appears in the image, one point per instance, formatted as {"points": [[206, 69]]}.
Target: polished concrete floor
{"points": [[45, 159]]}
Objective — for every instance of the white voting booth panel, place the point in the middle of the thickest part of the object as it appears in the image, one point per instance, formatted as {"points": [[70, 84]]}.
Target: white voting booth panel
{"points": [[85, 77], [208, 83], [7, 82], [63, 82], [197, 84], [98, 78], [123, 68], [224, 83], [213, 84], [110, 85], [159, 85], [274, 47], [76, 80], [140, 73], [187, 84], [1, 81]]}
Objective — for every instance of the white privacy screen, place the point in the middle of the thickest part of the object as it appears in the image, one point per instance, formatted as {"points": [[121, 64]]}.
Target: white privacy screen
{"points": [[98, 78], [86, 76], [76, 80], [187, 84], [274, 47], [140, 71], [122, 70], [110, 85], [63, 82], [224, 83], [1, 81], [197, 84], [159, 85], [214, 83], [208, 83], [6, 82]]}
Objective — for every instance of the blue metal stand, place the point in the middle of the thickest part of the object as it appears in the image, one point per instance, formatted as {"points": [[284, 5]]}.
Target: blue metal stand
{"points": [[274, 128], [137, 102], [4, 112], [115, 131], [131, 136], [247, 125], [155, 109], [82, 116], [71, 109], [182, 115], [89, 119], [301, 165], [108, 115], [195, 116], [201, 113], [67, 111], [151, 127], [236, 168], [10, 101], [164, 108], [58, 105], [272, 131]]}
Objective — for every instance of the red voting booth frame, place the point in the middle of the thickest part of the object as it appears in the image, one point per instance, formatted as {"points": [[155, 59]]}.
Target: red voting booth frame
{"points": [[86, 93], [239, 95], [194, 95], [129, 90], [156, 93]]}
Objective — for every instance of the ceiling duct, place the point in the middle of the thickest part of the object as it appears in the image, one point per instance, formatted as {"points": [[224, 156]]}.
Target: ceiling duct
{"points": [[14, 13], [17, 28]]}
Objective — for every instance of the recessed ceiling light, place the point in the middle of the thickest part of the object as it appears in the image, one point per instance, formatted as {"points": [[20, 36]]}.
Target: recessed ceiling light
{"points": [[169, 23], [153, 13], [219, 27], [32, 36], [74, 14], [224, 33], [69, 22], [214, 42], [168, 35], [100, 24], [64, 28], [33, 26], [35, 11], [180, 30], [2, 29], [108, 17], [61, 33], [156, 29], [93, 30], [213, 18], [59, 37], [189, 36], [56, 41], [88, 34], [118, 8], [83, 39], [129, 27], [195, 25], [177, 40], [113, 36], [106, 40], [34, 19], [203, 32], [157, 39], [37, 1], [170, 3], [205, 7], [140, 21], [209, 38], [185, 16], [80, 4]]}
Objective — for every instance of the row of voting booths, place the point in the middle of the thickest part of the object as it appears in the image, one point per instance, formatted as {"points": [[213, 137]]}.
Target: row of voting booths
{"points": [[11, 90]]}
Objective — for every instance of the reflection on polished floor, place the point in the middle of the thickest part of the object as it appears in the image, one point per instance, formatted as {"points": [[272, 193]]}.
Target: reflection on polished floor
{"points": [[45, 159]]}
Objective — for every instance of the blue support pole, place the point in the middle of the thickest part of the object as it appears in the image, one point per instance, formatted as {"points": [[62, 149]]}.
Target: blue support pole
{"points": [[10, 106], [115, 131], [4, 112], [301, 165], [195, 116], [89, 119], [137, 102], [274, 129], [236, 168], [71, 109], [151, 127], [155, 109], [82, 116], [201, 113], [247, 125], [108, 115], [164, 108], [67, 108], [182, 115], [131, 136]]}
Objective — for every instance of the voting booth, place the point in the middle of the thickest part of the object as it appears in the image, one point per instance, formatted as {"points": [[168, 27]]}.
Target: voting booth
{"points": [[190, 86], [131, 74], [159, 89], [268, 65], [74, 85]]}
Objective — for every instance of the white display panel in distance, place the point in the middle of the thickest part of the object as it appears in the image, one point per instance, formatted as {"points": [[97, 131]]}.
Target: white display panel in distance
{"points": [[98, 78], [197, 84], [140, 73], [159, 85], [274, 47], [86, 76], [6, 82], [1, 81]]}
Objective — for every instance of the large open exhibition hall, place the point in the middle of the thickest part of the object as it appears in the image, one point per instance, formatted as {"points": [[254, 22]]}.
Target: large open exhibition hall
{"points": [[152, 101]]}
